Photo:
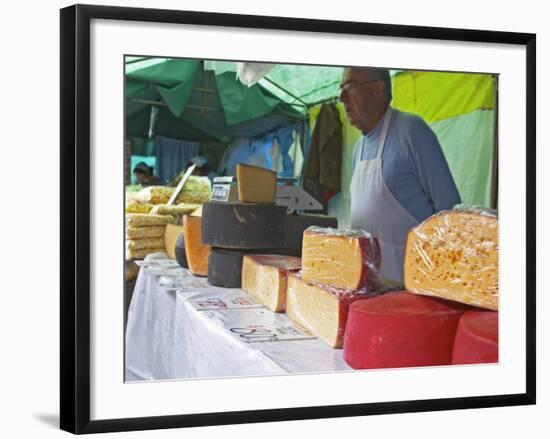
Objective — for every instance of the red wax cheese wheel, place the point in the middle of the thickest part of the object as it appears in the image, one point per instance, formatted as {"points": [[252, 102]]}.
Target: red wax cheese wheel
{"points": [[400, 329], [476, 338]]}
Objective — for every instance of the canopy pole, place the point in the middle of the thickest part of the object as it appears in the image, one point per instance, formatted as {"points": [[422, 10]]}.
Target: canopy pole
{"points": [[164, 104], [286, 91]]}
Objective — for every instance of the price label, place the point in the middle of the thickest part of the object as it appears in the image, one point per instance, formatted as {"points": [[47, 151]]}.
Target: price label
{"points": [[220, 192], [270, 333], [217, 302]]}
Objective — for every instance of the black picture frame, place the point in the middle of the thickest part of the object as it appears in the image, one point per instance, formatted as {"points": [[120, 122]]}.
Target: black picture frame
{"points": [[75, 217]]}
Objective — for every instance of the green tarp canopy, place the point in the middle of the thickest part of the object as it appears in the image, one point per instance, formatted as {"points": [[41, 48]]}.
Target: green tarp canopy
{"points": [[198, 103], [203, 100]]}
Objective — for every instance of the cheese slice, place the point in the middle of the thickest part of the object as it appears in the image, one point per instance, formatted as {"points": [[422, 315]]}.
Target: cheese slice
{"points": [[321, 309], [347, 259], [265, 278], [454, 255], [171, 235], [255, 184], [400, 329], [476, 339], [197, 253]]}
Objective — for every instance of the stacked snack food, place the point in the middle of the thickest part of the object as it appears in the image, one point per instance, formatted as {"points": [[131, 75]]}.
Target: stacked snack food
{"points": [[145, 234], [152, 224]]}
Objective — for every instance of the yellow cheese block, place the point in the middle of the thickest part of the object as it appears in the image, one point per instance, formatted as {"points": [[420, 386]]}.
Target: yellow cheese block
{"points": [[255, 184], [454, 255], [197, 253], [265, 278], [171, 235], [348, 259], [321, 309]]}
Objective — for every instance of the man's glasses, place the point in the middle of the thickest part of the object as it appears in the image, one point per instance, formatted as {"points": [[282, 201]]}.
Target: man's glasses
{"points": [[349, 86]]}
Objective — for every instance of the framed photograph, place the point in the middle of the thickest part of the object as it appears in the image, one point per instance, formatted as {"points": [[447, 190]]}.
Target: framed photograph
{"points": [[170, 119]]}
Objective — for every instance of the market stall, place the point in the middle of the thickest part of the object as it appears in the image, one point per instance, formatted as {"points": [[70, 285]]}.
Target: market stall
{"points": [[256, 271]]}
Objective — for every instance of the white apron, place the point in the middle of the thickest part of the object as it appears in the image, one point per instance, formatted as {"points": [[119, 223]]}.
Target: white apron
{"points": [[374, 209]]}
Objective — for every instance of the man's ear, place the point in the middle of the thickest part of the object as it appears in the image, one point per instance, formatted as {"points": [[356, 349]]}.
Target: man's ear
{"points": [[379, 89]]}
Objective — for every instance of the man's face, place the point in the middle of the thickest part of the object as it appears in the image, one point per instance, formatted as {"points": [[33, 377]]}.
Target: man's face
{"points": [[364, 98]]}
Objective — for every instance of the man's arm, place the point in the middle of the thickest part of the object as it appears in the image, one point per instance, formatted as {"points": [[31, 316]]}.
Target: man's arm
{"points": [[431, 167]]}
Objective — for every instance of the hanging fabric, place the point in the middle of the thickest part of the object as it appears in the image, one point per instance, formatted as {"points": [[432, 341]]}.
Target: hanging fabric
{"points": [[172, 156], [324, 163]]}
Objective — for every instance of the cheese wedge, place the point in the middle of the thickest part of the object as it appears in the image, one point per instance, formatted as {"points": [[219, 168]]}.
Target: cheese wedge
{"points": [[347, 259], [255, 184], [265, 278], [197, 253], [454, 255], [321, 309]]}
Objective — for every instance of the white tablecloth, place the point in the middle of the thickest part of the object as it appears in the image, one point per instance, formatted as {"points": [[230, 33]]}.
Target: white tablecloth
{"points": [[181, 327]]}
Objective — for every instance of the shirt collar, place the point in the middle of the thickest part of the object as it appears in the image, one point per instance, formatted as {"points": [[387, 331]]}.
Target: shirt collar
{"points": [[376, 131]]}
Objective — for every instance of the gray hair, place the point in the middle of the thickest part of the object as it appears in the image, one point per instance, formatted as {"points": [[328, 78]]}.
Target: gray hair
{"points": [[379, 74]]}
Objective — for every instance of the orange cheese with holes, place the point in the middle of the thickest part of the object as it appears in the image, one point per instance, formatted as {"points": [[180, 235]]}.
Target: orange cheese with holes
{"points": [[454, 255]]}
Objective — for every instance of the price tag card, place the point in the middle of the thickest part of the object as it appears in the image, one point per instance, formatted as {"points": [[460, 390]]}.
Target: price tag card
{"points": [[271, 332], [183, 282], [221, 299]]}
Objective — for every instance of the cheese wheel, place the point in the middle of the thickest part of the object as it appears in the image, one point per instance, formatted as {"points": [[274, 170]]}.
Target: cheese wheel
{"points": [[476, 338], [321, 309], [294, 231], [179, 251], [346, 259], [454, 255], [255, 184], [265, 278], [243, 226], [400, 329], [197, 253], [225, 266], [171, 235]]}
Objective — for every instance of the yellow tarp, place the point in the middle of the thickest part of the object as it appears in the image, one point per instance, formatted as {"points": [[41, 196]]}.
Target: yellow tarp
{"points": [[437, 96]]}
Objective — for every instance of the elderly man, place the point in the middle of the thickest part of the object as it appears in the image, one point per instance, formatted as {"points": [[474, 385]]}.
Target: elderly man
{"points": [[400, 175]]}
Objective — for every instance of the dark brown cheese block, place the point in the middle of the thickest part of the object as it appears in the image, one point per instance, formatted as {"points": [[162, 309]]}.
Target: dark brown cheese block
{"points": [[243, 226], [294, 231], [225, 266]]}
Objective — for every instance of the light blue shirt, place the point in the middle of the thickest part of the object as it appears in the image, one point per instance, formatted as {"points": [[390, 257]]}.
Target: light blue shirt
{"points": [[413, 165]]}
